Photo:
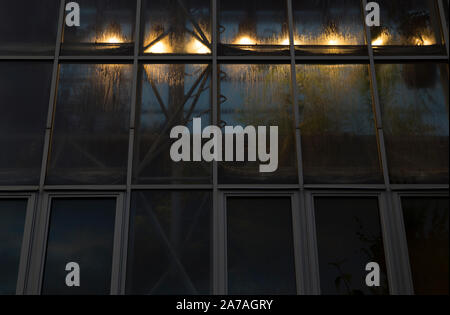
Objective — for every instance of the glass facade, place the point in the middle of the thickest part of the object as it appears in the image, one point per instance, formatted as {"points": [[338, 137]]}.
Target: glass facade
{"points": [[86, 172]]}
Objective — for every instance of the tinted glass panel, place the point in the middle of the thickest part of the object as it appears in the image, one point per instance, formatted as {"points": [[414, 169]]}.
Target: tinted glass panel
{"points": [[28, 28], [81, 231], [339, 143], [426, 224], [260, 246], [170, 243], [24, 97], [91, 129], [414, 99], [106, 27], [172, 95], [12, 222], [348, 238], [177, 27]]}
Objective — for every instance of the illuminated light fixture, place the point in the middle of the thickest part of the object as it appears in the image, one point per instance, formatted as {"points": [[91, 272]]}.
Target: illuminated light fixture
{"points": [[245, 40], [423, 42], [285, 42], [197, 47], [158, 48], [113, 40]]}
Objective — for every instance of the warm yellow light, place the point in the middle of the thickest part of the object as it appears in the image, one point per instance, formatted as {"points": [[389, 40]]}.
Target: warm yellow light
{"points": [[113, 40], [158, 48], [197, 47], [285, 42], [244, 40], [333, 42], [424, 41], [378, 42]]}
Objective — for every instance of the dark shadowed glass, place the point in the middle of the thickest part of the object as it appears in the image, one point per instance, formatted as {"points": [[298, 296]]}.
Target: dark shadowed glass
{"points": [[24, 97], [28, 28], [426, 224], [414, 100], [339, 142], [348, 238], [12, 222], [81, 231], [170, 243], [260, 255], [171, 95], [91, 128]]}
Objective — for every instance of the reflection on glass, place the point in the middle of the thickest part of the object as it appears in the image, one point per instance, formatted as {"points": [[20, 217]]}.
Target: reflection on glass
{"points": [[348, 238], [91, 128], [414, 99], [253, 26], [258, 95], [407, 24], [106, 27], [28, 29], [172, 95], [177, 27], [81, 231], [170, 243], [329, 27], [260, 255], [426, 224], [339, 143], [24, 96], [12, 222]]}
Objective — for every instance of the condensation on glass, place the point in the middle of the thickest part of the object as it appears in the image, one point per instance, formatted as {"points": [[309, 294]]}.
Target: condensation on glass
{"points": [[80, 231], [426, 225], [171, 95], [414, 100], [348, 238], [12, 222], [91, 125], [260, 250], [329, 27], [339, 141], [28, 28], [170, 243], [253, 27], [24, 96], [177, 27], [258, 95], [106, 28]]}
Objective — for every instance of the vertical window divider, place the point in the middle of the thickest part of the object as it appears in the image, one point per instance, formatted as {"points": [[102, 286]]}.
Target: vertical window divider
{"points": [[443, 23]]}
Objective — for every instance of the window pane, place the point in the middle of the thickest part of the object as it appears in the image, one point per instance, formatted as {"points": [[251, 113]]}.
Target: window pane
{"points": [[107, 27], [172, 95], [408, 27], [253, 27], [339, 143], [329, 27], [426, 224], [177, 27], [81, 231], [348, 238], [91, 129], [24, 95], [258, 95], [28, 29], [12, 222], [170, 243], [414, 99], [260, 246]]}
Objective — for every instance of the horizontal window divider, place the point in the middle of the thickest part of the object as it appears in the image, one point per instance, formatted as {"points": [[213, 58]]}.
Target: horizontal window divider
{"points": [[346, 186], [18, 188], [25, 58], [84, 187], [411, 58], [172, 187], [257, 187], [396, 187]]}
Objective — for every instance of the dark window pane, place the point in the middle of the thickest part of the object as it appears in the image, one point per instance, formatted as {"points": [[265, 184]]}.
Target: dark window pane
{"points": [[329, 27], [106, 27], [24, 96], [253, 27], [408, 27], [172, 95], [258, 95], [177, 27], [28, 28], [12, 222], [426, 224], [91, 129], [339, 143], [414, 99], [348, 238], [260, 246], [170, 243], [81, 231]]}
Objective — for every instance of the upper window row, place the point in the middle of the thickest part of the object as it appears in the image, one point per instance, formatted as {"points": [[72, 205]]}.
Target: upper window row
{"points": [[244, 27]]}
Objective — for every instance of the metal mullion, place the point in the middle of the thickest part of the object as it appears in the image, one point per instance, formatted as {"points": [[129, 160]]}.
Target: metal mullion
{"points": [[412, 58], [25, 58], [443, 24]]}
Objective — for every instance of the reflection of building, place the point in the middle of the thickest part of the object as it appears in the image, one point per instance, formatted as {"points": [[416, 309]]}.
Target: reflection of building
{"points": [[86, 175]]}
